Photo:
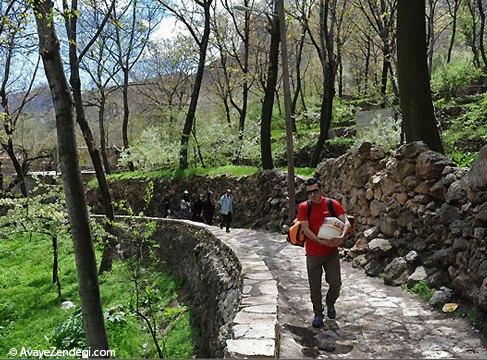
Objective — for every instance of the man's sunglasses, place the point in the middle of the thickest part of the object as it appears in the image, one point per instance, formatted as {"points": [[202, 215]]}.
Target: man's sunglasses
{"points": [[312, 192]]}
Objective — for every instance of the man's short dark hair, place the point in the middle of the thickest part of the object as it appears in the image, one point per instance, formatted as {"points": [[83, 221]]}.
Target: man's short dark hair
{"points": [[312, 181]]}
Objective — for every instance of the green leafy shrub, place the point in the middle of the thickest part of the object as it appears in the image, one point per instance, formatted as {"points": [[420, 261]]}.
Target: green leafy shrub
{"points": [[448, 78], [467, 133], [70, 333], [463, 159], [422, 289], [384, 132]]}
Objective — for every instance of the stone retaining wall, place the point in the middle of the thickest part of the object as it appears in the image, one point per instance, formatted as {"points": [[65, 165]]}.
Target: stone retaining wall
{"points": [[230, 289], [418, 216], [212, 276], [260, 199]]}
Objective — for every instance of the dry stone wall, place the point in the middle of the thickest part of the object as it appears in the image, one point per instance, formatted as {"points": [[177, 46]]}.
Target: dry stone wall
{"points": [[260, 199], [418, 216]]}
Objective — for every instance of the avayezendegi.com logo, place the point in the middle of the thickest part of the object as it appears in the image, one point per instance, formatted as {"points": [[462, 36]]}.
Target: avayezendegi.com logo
{"points": [[53, 352]]}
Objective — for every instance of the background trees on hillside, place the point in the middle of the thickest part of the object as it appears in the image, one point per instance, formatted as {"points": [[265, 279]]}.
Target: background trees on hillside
{"points": [[347, 66]]}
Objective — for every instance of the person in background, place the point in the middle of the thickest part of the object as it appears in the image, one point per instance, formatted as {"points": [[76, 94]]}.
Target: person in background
{"points": [[185, 206], [226, 209], [164, 207], [197, 209], [208, 208]]}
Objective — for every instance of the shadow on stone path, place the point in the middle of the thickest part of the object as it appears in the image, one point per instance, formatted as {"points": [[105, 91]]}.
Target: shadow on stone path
{"points": [[374, 320]]}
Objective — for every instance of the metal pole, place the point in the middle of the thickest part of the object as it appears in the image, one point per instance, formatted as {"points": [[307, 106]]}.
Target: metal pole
{"points": [[291, 190]]}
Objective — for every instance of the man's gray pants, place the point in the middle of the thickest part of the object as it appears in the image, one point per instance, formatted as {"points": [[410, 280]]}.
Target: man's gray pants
{"points": [[315, 266]]}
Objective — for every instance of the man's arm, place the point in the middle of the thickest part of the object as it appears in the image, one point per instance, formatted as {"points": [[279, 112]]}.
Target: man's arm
{"points": [[346, 228], [310, 235]]}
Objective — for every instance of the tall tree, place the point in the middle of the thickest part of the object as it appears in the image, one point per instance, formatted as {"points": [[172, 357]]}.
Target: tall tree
{"points": [[326, 48], [270, 90], [419, 122], [14, 44], [76, 54], [453, 6], [134, 22], [202, 42], [381, 15], [49, 44], [101, 68]]}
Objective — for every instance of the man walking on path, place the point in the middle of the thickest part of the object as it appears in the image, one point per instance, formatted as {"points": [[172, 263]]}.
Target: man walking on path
{"points": [[321, 254], [226, 209]]}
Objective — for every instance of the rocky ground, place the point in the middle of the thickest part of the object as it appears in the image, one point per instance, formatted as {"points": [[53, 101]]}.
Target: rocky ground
{"points": [[374, 320]]}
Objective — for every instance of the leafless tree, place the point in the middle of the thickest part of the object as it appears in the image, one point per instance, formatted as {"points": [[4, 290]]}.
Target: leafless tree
{"points": [[196, 17]]}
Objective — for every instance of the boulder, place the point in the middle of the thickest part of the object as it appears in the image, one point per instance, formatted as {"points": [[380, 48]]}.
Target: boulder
{"points": [[457, 193], [359, 248], [388, 225], [447, 214], [359, 261], [482, 299], [477, 177], [411, 150], [380, 244], [396, 272], [441, 296], [439, 278], [412, 257], [371, 233], [418, 275], [430, 165], [374, 267]]}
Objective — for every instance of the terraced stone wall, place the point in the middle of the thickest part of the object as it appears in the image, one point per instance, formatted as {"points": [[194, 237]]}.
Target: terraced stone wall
{"points": [[213, 281], [418, 216]]}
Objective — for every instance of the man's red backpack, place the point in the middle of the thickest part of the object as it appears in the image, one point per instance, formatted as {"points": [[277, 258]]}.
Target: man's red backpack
{"points": [[295, 234]]}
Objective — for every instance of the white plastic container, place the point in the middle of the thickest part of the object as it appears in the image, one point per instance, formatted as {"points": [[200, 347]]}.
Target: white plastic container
{"points": [[331, 228]]}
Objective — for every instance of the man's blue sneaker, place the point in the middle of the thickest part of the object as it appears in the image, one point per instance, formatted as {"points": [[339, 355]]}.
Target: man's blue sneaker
{"points": [[317, 321], [331, 312]]}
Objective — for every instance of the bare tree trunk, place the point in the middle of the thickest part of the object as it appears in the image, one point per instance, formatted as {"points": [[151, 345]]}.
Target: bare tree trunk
{"points": [[453, 12], [105, 197], [9, 148], [266, 117], [101, 124], [73, 187], [481, 34], [190, 116], [55, 265], [126, 113], [326, 108], [419, 122], [297, 90]]}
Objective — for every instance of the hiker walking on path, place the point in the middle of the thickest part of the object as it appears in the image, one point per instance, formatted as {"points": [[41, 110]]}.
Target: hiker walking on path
{"points": [[321, 254], [197, 209], [208, 208], [226, 209], [185, 206]]}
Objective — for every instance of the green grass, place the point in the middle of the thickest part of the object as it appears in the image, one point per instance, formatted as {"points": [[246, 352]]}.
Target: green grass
{"points": [[30, 310]]}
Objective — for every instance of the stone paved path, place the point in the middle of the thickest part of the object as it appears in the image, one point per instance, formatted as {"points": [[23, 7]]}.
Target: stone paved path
{"points": [[374, 320]]}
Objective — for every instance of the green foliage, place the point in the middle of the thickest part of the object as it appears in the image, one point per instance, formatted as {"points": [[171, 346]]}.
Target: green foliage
{"points": [[422, 289], [463, 159], [229, 170], [305, 171], [467, 133], [447, 79], [70, 333], [343, 113], [383, 132]]}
